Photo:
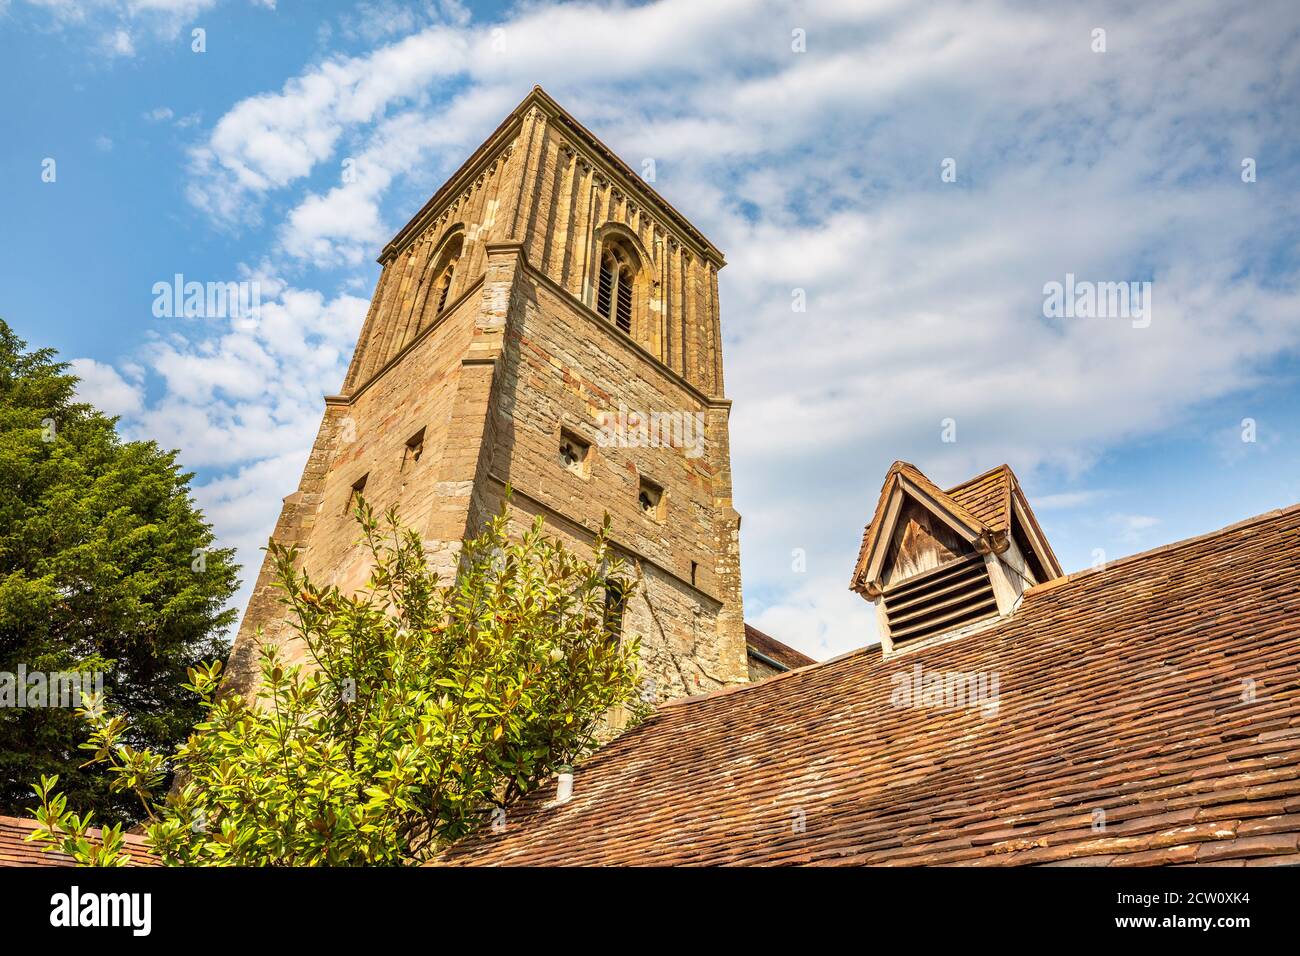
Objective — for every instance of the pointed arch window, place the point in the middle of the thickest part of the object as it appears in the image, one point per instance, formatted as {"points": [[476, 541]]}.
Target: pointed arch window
{"points": [[615, 292], [440, 278], [448, 273]]}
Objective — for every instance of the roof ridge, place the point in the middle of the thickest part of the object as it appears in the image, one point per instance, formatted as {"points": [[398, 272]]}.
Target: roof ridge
{"points": [[1004, 467], [779, 645], [751, 685], [1070, 578]]}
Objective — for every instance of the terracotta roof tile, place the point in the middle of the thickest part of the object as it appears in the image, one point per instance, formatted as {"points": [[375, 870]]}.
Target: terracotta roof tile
{"points": [[987, 497], [771, 648], [16, 851], [1146, 713]]}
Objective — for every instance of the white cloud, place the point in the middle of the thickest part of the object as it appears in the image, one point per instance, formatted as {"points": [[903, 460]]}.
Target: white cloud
{"points": [[102, 386], [121, 44], [344, 224], [241, 403], [271, 141], [1132, 529], [235, 394], [374, 20], [245, 505], [1065, 499], [820, 616], [178, 8]]}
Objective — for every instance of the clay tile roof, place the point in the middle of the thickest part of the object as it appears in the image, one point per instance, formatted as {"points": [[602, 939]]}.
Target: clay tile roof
{"points": [[957, 507], [16, 851], [987, 497], [1146, 712], [770, 647]]}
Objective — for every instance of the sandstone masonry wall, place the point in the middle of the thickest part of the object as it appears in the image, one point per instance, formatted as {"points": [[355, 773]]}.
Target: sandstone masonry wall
{"points": [[517, 356]]}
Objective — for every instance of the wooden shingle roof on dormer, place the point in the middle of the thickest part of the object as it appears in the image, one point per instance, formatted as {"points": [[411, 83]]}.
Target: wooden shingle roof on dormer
{"points": [[987, 497], [984, 511]]}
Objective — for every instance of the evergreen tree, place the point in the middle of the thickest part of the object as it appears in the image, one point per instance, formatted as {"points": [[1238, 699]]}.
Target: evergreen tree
{"points": [[105, 565]]}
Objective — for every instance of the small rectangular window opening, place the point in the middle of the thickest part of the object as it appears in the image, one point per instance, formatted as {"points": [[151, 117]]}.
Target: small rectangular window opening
{"points": [[414, 449], [615, 605], [358, 487], [651, 499], [574, 452]]}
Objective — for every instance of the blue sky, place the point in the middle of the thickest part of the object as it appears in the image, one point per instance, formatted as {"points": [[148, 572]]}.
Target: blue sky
{"points": [[818, 170]]}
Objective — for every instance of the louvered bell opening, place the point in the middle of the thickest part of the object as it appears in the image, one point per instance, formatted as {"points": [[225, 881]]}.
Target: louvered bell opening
{"points": [[945, 599], [442, 292], [624, 317], [605, 290]]}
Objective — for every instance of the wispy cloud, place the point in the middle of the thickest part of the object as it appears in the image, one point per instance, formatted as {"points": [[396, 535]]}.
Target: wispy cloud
{"points": [[1066, 499], [115, 27], [1133, 529], [241, 399]]}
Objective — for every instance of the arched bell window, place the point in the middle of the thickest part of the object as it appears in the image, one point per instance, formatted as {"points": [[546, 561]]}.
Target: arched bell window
{"points": [[444, 272], [617, 286], [438, 278]]}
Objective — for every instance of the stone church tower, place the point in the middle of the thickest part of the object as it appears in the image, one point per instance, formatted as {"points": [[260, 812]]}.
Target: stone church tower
{"points": [[547, 320]]}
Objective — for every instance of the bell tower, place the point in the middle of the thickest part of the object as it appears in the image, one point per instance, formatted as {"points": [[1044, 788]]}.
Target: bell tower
{"points": [[546, 321]]}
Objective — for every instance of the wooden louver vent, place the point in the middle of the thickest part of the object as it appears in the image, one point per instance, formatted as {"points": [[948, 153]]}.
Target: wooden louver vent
{"points": [[605, 290], [945, 599], [614, 291], [624, 314], [442, 292]]}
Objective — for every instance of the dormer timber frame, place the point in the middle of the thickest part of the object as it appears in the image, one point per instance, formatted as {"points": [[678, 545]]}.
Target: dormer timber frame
{"points": [[987, 518]]}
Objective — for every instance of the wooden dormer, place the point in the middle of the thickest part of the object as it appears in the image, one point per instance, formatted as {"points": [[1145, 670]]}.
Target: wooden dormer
{"points": [[938, 563]]}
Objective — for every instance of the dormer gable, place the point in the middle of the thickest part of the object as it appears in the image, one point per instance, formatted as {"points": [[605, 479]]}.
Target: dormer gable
{"points": [[938, 563]]}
